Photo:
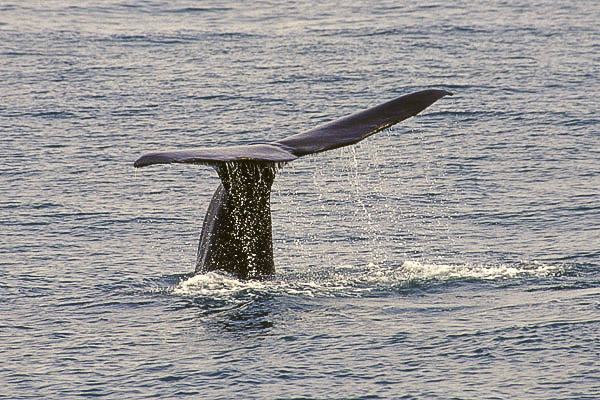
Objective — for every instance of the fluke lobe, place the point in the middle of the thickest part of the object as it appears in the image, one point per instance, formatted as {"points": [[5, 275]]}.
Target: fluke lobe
{"points": [[236, 235]]}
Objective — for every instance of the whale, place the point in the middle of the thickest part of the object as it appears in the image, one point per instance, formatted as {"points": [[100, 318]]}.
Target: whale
{"points": [[236, 235]]}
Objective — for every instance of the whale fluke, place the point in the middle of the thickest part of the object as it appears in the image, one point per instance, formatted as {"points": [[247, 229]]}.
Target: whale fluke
{"points": [[269, 152], [360, 125], [236, 236]]}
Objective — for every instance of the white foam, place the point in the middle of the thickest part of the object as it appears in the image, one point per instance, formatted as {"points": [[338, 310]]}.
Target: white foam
{"points": [[346, 280], [425, 271], [213, 283]]}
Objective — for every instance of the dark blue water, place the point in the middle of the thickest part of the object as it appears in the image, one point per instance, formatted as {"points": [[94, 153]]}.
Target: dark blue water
{"points": [[456, 255]]}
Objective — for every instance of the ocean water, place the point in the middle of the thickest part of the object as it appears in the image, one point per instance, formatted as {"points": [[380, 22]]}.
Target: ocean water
{"points": [[453, 256]]}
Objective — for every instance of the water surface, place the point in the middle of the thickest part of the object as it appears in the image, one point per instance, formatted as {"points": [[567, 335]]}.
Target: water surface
{"points": [[456, 255]]}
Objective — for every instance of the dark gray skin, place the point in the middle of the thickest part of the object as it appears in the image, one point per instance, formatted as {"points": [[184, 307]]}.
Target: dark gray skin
{"points": [[236, 235]]}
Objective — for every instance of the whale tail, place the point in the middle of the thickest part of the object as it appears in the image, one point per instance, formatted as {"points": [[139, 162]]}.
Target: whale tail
{"points": [[236, 236]]}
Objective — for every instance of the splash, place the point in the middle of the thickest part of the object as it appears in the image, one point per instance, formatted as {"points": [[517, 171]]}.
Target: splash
{"points": [[430, 271], [350, 281], [215, 284]]}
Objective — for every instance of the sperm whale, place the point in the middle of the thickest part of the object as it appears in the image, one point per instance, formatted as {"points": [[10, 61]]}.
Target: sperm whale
{"points": [[236, 234]]}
